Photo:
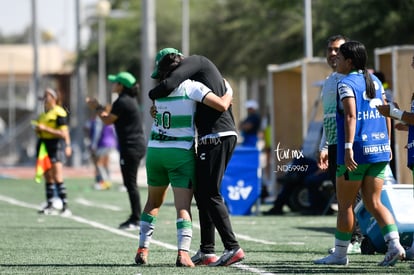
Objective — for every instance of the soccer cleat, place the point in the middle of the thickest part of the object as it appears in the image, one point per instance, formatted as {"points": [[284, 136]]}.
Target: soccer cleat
{"points": [[142, 256], [229, 257], [102, 185], [392, 256], [183, 259], [201, 258], [332, 259], [48, 210], [129, 225], [66, 213], [107, 184], [353, 248]]}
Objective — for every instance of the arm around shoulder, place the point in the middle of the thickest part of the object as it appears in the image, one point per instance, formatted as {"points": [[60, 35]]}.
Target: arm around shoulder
{"points": [[221, 104]]}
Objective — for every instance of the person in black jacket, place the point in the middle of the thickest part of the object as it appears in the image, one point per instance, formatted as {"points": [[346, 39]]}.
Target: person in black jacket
{"points": [[217, 138], [126, 117]]}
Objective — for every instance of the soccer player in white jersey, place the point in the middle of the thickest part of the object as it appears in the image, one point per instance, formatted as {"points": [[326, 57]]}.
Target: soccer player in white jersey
{"points": [[171, 158]]}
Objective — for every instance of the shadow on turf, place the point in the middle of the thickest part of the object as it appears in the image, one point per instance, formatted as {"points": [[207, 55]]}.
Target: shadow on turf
{"points": [[299, 267]]}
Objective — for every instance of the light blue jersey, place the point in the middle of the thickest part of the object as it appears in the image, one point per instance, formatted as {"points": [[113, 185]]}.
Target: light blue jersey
{"points": [[371, 141]]}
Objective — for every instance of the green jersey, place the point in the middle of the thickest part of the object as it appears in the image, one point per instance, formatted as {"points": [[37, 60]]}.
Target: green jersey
{"points": [[329, 91]]}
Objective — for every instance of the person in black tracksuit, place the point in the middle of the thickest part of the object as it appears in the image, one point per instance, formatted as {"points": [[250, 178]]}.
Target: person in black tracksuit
{"points": [[217, 138], [126, 117]]}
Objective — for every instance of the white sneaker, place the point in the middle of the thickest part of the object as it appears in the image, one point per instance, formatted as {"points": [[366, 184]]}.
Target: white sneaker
{"points": [[332, 259], [392, 256]]}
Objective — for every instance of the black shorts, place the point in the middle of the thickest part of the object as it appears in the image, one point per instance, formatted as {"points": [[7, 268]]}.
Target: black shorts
{"points": [[55, 149]]}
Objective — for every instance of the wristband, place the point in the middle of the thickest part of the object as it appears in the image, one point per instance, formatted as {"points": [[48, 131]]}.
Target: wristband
{"points": [[348, 145], [395, 112]]}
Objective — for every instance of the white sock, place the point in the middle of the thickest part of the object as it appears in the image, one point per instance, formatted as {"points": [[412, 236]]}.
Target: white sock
{"points": [[145, 233], [392, 239], [341, 248], [184, 234]]}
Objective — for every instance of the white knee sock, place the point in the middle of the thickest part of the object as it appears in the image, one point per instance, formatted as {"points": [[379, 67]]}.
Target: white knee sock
{"points": [[184, 234], [341, 248], [145, 233]]}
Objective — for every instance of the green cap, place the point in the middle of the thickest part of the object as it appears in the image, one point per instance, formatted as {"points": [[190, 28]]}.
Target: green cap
{"points": [[124, 78], [160, 56]]}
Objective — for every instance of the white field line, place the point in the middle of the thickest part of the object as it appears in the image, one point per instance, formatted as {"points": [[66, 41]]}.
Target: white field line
{"points": [[88, 222], [248, 238], [86, 202], [124, 233]]}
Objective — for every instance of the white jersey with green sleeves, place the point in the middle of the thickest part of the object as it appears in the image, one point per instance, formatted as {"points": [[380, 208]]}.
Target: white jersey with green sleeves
{"points": [[329, 91], [173, 125]]}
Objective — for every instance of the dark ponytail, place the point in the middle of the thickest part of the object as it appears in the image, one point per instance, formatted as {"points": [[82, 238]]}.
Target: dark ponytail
{"points": [[369, 84], [356, 51]]}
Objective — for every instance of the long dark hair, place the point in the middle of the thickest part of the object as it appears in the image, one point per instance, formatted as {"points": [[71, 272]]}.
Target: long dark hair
{"points": [[168, 63], [356, 51]]}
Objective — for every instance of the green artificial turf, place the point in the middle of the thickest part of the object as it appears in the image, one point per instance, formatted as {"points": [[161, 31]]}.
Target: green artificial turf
{"points": [[90, 243]]}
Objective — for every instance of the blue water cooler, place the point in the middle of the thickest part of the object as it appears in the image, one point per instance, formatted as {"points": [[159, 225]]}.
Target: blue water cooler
{"points": [[241, 185], [398, 198]]}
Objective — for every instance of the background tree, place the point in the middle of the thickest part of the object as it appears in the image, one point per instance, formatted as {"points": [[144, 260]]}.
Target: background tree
{"points": [[374, 23], [243, 37]]}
